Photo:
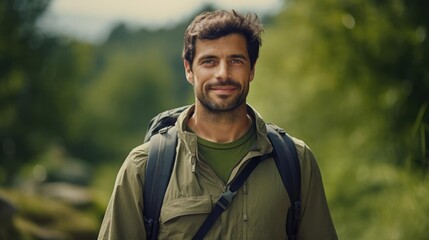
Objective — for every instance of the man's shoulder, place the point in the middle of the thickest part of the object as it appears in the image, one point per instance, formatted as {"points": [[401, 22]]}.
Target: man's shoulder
{"points": [[138, 155], [300, 144], [301, 147]]}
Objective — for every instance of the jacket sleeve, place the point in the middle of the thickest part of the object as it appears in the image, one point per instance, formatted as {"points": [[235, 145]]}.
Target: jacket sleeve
{"points": [[123, 218], [316, 221]]}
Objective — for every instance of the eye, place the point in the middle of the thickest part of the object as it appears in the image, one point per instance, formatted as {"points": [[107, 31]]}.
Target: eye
{"points": [[208, 62], [237, 61]]}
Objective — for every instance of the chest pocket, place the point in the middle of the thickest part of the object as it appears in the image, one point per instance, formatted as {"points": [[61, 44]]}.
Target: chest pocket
{"points": [[180, 218]]}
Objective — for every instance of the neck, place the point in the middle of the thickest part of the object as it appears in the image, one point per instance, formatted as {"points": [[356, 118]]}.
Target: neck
{"points": [[221, 127]]}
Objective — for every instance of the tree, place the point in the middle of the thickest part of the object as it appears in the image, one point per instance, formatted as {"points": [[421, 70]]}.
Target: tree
{"points": [[37, 85], [350, 78], [366, 61]]}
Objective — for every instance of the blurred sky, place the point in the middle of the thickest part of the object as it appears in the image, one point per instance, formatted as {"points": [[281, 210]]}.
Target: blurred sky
{"points": [[92, 20]]}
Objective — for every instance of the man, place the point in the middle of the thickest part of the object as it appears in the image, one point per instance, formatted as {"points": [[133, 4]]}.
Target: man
{"points": [[217, 137]]}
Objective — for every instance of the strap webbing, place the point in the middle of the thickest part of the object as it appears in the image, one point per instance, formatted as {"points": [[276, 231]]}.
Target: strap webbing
{"points": [[160, 163], [287, 162], [225, 198]]}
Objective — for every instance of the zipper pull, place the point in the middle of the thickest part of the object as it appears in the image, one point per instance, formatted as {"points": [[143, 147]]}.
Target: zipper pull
{"points": [[193, 163]]}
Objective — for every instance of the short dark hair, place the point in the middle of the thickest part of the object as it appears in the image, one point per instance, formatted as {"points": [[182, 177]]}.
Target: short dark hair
{"points": [[219, 23]]}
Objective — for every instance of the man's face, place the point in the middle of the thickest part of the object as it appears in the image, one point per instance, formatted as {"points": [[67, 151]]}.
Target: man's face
{"points": [[221, 72]]}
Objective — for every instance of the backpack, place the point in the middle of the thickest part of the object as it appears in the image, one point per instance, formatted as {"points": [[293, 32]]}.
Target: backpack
{"points": [[162, 135]]}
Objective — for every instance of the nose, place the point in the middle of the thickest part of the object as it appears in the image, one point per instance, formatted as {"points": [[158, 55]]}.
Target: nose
{"points": [[223, 71]]}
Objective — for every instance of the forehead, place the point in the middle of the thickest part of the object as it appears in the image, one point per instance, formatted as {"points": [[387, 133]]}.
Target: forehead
{"points": [[231, 44]]}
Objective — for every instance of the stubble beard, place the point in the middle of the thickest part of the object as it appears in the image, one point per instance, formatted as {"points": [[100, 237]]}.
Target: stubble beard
{"points": [[227, 105]]}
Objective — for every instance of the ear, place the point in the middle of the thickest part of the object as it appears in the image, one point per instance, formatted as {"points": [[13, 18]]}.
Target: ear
{"points": [[188, 72], [252, 73]]}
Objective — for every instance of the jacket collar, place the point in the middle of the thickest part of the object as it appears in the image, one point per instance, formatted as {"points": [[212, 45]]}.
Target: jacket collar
{"points": [[189, 139]]}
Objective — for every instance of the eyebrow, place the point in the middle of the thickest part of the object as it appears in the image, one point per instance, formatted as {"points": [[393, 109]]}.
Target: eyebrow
{"points": [[237, 56], [207, 57], [240, 56]]}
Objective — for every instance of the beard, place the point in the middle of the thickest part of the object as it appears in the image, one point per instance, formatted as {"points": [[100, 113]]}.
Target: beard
{"points": [[222, 103]]}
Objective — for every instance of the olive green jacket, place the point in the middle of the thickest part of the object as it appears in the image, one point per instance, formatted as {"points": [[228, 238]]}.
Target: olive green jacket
{"points": [[258, 211]]}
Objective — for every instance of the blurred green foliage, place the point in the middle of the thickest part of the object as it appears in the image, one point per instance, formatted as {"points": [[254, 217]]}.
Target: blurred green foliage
{"points": [[348, 77], [44, 218], [352, 81], [37, 85]]}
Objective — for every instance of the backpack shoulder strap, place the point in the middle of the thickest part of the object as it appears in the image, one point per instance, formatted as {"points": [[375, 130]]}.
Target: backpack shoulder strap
{"points": [[286, 158], [162, 152], [162, 120]]}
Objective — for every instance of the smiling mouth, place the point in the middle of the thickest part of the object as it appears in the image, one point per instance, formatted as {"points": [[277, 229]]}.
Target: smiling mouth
{"points": [[223, 89]]}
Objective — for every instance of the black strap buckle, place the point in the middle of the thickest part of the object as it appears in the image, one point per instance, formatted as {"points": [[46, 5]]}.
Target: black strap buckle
{"points": [[297, 210], [225, 198]]}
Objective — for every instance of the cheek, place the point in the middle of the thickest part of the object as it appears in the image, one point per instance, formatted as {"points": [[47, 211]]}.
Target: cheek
{"points": [[200, 78], [199, 86], [196, 84]]}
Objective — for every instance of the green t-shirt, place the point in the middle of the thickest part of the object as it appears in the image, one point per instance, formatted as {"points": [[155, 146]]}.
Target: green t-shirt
{"points": [[222, 157]]}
